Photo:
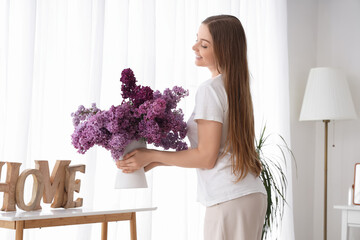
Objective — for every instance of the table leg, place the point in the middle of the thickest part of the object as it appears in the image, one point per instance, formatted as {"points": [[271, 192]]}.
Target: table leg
{"points": [[19, 232], [104, 229], [133, 226], [344, 225]]}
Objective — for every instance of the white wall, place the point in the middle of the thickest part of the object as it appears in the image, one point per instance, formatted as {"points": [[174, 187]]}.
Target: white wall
{"points": [[323, 33]]}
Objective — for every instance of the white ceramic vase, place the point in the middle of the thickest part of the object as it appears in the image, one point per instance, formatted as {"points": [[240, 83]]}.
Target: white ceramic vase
{"points": [[136, 179]]}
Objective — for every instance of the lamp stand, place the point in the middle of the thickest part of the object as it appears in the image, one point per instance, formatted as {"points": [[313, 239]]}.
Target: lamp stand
{"points": [[325, 177]]}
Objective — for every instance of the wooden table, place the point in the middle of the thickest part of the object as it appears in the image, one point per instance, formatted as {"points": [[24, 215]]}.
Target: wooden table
{"points": [[21, 220], [350, 217]]}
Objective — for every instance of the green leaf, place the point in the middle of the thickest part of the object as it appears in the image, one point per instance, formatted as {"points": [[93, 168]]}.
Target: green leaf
{"points": [[274, 179]]}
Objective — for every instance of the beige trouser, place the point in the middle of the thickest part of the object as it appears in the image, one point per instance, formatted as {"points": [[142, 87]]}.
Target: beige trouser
{"points": [[238, 219]]}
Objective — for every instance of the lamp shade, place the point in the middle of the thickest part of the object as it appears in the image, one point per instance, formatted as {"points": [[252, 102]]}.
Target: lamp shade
{"points": [[327, 96]]}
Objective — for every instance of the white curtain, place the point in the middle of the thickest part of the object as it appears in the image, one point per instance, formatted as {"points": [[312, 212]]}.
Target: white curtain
{"points": [[58, 54]]}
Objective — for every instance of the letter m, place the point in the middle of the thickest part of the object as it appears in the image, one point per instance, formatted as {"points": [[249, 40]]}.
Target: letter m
{"points": [[54, 186]]}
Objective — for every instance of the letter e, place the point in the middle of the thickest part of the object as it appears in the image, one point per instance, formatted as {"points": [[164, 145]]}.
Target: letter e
{"points": [[72, 185]]}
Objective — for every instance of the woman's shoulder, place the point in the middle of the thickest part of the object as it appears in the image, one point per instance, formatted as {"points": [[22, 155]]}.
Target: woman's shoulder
{"points": [[213, 90], [215, 83]]}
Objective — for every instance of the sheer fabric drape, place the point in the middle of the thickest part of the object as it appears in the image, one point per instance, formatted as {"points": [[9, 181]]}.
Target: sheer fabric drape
{"points": [[56, 55]]}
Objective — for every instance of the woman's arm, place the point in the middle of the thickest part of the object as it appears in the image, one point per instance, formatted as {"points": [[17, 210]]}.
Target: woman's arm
{"points": [[153, 165], [204, 156]]}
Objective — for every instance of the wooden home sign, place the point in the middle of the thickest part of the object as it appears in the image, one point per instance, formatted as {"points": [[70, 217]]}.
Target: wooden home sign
{"points": [[57, 189]]}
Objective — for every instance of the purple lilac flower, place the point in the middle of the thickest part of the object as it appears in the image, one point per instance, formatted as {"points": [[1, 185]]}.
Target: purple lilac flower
{"points": [[83, 114], [137, 95], [128, 83], [142, 94], [172, 141], [143, 114], [172, 97]]}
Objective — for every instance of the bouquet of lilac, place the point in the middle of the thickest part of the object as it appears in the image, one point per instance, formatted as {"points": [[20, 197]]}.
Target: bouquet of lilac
{"points": [[144, 114]]}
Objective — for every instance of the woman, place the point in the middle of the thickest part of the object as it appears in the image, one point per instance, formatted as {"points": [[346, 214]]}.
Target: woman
{"points": [[221, 133]]}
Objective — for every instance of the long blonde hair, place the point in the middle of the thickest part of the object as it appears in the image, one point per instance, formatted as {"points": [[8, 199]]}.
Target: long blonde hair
{"points": [[230, 52]]}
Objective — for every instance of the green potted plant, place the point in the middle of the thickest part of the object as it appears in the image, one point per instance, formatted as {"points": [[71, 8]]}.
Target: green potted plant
{"points": [[274, 179]]}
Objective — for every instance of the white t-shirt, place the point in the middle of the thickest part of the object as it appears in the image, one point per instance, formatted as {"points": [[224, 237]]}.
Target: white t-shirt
{"points": [[218, 184]]}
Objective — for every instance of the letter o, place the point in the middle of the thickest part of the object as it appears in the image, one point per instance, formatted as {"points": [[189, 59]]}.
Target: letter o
{"points": [[37, 192]]}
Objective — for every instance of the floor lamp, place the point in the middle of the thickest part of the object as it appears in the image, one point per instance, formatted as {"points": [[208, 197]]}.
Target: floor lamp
{"points": [[327, 97]]}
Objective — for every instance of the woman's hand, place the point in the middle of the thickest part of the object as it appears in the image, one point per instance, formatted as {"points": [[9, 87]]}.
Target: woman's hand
{"points": [[135, 160]]}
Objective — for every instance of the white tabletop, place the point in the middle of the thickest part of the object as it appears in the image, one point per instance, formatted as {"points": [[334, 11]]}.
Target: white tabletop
{"points": [[347, 207], [48, 212]]}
